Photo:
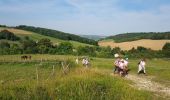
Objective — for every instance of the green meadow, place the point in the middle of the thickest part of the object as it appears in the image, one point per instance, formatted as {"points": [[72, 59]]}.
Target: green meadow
{"points": [[42, 78]]}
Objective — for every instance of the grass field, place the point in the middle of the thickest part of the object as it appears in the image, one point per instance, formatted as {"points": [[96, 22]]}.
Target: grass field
{"points": [[18, 79], [129, 45], [35, 36]]}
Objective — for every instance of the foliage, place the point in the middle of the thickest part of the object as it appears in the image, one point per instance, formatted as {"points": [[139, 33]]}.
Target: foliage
{"points": [[78, 84], [3, 26], [57, 34], [4, 45], [137, 36], [166, 50], [28, 46], [87, 50], [44, 46], [166, 46], [65, 48], [5, 34]]}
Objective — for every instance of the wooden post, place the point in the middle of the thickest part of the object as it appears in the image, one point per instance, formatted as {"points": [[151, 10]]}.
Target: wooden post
{"points": [[52, 73], [37, 74], [53, 70]]}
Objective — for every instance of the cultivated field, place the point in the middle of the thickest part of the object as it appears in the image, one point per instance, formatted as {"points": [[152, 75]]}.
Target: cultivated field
{"points": [[153, 44], [42, 78]]}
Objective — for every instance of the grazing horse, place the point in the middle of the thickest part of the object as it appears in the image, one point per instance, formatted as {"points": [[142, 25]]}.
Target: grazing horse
{"points": [[24, 57], [29, 57]]}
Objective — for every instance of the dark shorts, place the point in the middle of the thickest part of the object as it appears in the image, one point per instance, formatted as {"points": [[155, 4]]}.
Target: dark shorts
{"points": [[120, 70]]}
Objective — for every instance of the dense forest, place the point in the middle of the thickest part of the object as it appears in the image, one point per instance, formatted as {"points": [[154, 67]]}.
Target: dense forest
{"points": [[57, 34], [137, 36]]}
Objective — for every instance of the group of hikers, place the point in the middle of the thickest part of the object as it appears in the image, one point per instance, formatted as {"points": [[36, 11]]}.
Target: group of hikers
{"points": [[85, 62], [121, 66]]}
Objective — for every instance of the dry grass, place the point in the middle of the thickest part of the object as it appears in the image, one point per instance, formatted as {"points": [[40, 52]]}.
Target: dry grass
{"points": [[17, 31], [153, 44]]}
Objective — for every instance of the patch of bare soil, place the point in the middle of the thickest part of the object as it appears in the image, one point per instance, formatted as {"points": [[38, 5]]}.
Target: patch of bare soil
{"points": [[145, 83]]}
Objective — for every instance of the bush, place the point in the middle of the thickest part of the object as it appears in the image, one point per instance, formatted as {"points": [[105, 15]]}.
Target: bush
{"points": [[65, 48], [5, 34]]}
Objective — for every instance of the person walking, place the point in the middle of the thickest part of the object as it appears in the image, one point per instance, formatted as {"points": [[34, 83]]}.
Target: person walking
{"points": [[77, 60], [121, 67], [126, 69], [116, 65], [141, 66]]}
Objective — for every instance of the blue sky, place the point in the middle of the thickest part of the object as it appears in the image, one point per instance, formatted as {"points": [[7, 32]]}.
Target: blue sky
{"points": [[95, 17]]}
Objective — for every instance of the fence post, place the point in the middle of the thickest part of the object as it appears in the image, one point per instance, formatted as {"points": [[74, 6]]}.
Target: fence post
{"points": [[37, 74]]}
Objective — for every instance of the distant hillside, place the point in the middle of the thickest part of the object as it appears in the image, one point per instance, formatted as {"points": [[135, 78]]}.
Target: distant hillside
{"points": [[57, 34], [93, 37], [137, 36], [147, 43], [5, 34], [34, 36]]}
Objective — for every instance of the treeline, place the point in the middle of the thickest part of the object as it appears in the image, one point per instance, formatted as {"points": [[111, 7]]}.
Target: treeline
{"points": [[45, 46], [139, 52], [137, 36], [57, 34], [3, 26], [27, 46], [5, 34]]}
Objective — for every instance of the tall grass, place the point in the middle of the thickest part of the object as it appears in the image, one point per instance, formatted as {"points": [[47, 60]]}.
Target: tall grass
{"points": [[18, 79], [79, 84]]}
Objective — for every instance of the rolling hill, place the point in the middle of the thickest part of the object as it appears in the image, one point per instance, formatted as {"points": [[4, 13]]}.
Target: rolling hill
{"points": [[35, 36], [57, 34], [93, 37], [152, 40], [147, 43], [137, 36]]}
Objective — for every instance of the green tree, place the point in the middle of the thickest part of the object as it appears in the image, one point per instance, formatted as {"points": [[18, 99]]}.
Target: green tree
{"points": [[4, 45], [4, 48], [166, 46], [45, 42], [141, 49], [43, 49], [166, 50], [5, 34], [87, 50], [15, 49], [29, 46], [65, 48]]}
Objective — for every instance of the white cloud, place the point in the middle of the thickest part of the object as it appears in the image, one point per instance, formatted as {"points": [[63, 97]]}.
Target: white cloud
{"points": [[103, 17]]}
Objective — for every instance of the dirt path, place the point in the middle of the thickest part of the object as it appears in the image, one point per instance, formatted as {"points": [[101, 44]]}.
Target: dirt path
{"points": [[145, 83]]}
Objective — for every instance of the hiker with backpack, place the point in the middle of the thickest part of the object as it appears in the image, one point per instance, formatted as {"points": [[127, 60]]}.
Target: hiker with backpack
{"points": [[121, 67], [126, 69], [116, 64], [141, 66]]}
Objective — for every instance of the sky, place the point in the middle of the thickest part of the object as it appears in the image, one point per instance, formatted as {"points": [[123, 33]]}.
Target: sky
{"points": [[89, 17]]}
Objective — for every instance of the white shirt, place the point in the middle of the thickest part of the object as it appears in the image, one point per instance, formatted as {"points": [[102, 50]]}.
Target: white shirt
{"points": [[121, 65], [83, 61], [142, 63], [126, 63], [86, 62]]}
